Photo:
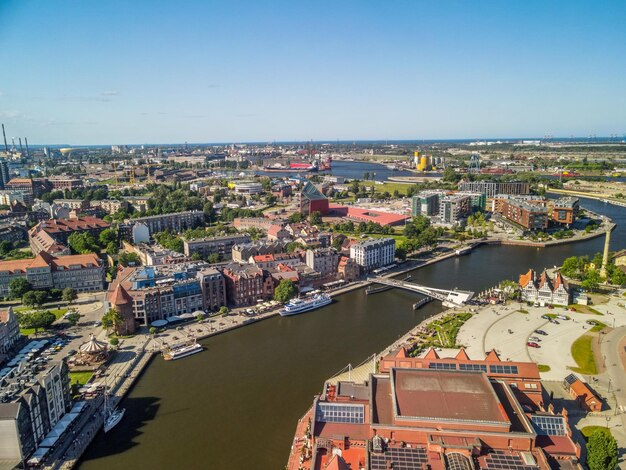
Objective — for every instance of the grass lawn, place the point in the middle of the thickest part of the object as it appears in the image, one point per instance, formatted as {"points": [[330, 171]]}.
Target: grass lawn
{"points": [[81, 378], [57, 312], [521, 310], [582, 352], [543, 368], [390, 187], [584, 309], [599, 326], [587, 431]]}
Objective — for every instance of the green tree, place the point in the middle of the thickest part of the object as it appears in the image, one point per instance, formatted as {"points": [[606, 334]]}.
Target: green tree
{"points": [[601, 451], [592, 280], [295, 218], [152, 330], [83, 243], [29, 298], [73, 318], [129, 259], [401, 252], [18, 287], [224, 310], [200, 316], [112, 320], [107, 236], [36, 320], [69, 295], [315, 218], [285, 290], [112, 248], [114, 341], [214, 258], [618, 277]]}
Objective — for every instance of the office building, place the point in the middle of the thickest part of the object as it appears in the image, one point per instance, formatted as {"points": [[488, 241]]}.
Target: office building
{"points": [[312, 200]]}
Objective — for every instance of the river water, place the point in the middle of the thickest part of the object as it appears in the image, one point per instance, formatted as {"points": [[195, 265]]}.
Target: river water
{"points": [[236, 405]]}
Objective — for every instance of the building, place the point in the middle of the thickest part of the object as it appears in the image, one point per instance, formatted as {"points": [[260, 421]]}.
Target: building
{"points": [[527, 216], [161, 292], [454, 208], [154, 255], [36, 405], [138, 203], [348, 269], [111, 206], [51, 235], [241, 253], [63, 183], [273, 261], [7, 198], [5, 176], [478, 201], [565, 210], [278, 232], [491, 188], [374, 253], [83, 273], [431, 418], [9, 330], [582, 394], [175, 222], [247, 187], [495, 203], [543, 290], [246, 284], [312, 200], [368, 215], [259, 223], [323, 260], [222, 245], [426, 203], [73, 204]]}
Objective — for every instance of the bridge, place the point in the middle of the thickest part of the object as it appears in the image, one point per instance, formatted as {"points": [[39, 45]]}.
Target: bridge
{"points": [[452, 298]]}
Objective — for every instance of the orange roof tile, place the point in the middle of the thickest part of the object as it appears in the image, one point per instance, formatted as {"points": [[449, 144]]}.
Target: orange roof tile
{"points": [[431, 354], [462, 355], [492, 356], [524, 279]]}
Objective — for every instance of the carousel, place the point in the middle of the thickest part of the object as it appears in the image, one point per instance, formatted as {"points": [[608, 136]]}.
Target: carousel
{"points": [[92, 353]]}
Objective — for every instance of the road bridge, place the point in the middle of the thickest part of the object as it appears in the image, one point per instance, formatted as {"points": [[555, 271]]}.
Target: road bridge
{"points": [[453, 298]]}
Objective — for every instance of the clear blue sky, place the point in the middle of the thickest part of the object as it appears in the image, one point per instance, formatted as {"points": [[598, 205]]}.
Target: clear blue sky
{"points": [[133, 71]]}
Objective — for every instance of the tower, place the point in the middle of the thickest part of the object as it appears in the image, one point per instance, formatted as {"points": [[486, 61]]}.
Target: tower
{"points": [[605, 255], [474, 164]]}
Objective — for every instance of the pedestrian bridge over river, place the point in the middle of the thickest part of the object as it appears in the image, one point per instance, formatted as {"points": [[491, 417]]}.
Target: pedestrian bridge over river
{"points": [[452, 298]]}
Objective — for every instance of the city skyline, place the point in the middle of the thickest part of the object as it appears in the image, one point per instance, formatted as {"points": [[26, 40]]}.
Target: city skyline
{"points": [[84, 74]]}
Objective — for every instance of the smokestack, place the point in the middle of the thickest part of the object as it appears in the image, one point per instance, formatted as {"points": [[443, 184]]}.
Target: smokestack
{"points": [[27, 150], [21, 150], [4, 134]]}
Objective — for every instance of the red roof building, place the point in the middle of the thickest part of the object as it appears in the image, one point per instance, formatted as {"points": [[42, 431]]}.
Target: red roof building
{"points": [[367, 215]]}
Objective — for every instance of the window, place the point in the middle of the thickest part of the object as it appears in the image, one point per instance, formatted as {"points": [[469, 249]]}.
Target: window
{"points": [[340, 413], [473, 367], [501, 369], [531, 386], [442, 366]]}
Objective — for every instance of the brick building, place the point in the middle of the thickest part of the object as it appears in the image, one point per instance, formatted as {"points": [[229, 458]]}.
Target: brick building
{"points": [[51, 235]]}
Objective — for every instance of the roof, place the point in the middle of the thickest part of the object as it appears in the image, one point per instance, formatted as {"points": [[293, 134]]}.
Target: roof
{"points": [[120, 296], [70, 225], [527, 278], [337, 463], [54, 262], [582, 390], [444, 395], [368, 215], [311, 192]]}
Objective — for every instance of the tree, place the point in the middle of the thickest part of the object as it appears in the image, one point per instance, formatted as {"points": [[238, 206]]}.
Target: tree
{"points": [[592, 280], [401, 252], [601, 451], [285, 290], [114, 341], [69, 295], [214, 258], [83, 243], [112, 320], [129, 259], [36, 320], [295, 218], [200, 316], [224, 310], [18, 287], [29, 298], [315, 218], [152, 330], [107, 236], [73, 318]]}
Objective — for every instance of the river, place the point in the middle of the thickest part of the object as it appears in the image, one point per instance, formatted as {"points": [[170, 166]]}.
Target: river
{"points": [[236, 405]]}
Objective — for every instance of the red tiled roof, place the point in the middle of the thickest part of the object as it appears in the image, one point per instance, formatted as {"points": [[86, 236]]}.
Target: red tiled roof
{"points": [[368, 215], [524, 279], [492, 356], [45, 259]]}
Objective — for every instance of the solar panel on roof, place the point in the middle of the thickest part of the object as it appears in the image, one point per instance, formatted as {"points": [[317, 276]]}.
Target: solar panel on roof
{"points": [[570, 379], [549, 425]]}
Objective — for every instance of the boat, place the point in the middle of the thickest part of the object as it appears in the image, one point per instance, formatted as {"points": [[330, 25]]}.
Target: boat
{"points": [[112, 416], [464, 251], [421, 303], [113, 419], [182, 350], [297, 306]]}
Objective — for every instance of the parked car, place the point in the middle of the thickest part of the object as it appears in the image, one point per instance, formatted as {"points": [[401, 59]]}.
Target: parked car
{"points": [[550, 307], [71, 352], [591, 322], [556, 322], [533, 344], [562, 317], [541, 332], [535, 339], [545, 317], [98, 323]]}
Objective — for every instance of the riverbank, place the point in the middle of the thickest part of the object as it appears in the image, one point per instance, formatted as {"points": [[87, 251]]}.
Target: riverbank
{"points": [[597, 196]]}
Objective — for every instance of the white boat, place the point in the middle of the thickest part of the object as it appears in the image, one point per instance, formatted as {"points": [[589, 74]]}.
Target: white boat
{"points": [[305, 305], [115, 416], [112, 416], [180, 351]]}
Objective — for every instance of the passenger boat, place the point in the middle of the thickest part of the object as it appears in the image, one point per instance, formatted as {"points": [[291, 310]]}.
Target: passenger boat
{"points": [[296, 306], [181, 350]]}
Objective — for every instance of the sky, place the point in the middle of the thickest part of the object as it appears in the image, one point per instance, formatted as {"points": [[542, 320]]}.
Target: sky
{"points": [[132, 72]]}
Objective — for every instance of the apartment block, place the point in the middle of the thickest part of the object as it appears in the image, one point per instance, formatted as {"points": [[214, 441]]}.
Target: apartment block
{"points": [[374, 253], [222, 245]]}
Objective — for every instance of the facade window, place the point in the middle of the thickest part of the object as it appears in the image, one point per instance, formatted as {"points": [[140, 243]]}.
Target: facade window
{"points": [[502, 369], [473, 367], [442, 366]]}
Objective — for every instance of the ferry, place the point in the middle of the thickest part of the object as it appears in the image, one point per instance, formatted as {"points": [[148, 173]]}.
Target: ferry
{"points": [[297, 306], [181, 350]]}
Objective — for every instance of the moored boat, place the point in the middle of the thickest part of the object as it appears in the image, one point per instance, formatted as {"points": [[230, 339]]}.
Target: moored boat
{"points": [[296, 306], [182, 350]]}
